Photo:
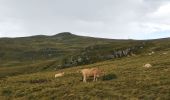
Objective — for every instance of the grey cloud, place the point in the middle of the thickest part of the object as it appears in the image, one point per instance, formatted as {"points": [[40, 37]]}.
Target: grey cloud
{"points": [[101, 18]]}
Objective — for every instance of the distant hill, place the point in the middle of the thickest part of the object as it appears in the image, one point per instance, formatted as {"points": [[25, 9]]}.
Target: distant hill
{"points": [[46, 47], [40, 53]]}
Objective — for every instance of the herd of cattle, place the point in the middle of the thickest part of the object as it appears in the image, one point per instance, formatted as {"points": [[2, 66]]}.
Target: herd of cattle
{"points": [[86, 73], [93, 72], [97, 72]]}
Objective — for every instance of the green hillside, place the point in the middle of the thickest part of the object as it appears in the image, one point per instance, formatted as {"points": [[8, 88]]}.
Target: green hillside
{"points": [[46, 47], [125, 79], [63, 50], [28, 66], [40, 53]]}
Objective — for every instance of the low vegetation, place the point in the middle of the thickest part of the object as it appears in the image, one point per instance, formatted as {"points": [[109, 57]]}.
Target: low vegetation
{"points": [[125, 77]]}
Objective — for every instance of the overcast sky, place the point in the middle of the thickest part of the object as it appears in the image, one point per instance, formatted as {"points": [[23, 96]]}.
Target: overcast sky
{"points": [[136, 19]]}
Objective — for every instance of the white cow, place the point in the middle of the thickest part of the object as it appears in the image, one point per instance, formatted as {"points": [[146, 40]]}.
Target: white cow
{"points": [[59, 74], [164, 53], [147, 65]]}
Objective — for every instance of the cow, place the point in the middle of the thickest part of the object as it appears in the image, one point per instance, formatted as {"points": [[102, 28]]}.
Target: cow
{"points": [[59, 74], [95, 72], [164, 53], [147, 65]]}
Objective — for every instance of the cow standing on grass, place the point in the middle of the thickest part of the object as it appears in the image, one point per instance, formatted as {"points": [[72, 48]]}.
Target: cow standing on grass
{"points": [[95, 72]]}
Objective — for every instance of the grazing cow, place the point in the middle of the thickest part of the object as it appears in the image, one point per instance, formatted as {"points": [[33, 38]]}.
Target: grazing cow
{"points": [[95, 72], [59, 74], [164, 53], [147, 65]]}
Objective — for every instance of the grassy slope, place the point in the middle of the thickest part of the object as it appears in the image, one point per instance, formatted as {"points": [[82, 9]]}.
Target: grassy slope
{"points": [[32, 54], [125, 79]]}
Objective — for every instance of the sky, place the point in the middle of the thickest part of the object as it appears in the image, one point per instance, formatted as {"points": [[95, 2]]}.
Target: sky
{"points": [[116, 19]]}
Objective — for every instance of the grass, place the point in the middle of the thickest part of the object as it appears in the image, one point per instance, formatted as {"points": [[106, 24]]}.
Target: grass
{"points": [[125, 79], [27, 71]]}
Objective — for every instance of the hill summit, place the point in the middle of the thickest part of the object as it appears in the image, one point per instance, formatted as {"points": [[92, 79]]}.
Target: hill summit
{"points": [[64, 34]]}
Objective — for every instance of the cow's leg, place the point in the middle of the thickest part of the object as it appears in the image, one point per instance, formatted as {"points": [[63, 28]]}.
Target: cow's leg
{"points": [[84, 78], [94, 78]]}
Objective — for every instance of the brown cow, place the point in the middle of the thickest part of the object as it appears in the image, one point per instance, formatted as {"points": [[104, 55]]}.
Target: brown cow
{"points": [[95, 72]]}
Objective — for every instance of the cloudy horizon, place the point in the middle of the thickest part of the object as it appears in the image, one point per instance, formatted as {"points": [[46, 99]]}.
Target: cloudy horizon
{"points": [[116, 19]]}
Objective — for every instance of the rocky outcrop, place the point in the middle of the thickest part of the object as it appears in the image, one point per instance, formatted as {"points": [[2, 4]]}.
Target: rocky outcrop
{"points": [[94, 54]]}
